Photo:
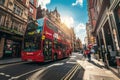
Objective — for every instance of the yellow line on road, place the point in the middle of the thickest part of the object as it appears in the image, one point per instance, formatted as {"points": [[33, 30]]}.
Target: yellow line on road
{"points": [[71, 73], [74, 72]]}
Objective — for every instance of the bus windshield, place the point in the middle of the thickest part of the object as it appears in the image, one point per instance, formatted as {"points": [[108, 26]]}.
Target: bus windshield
{"points": [[32, 40]]}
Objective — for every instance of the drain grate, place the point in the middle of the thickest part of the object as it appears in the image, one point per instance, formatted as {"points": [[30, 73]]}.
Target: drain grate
{"points": [[98, 77]]}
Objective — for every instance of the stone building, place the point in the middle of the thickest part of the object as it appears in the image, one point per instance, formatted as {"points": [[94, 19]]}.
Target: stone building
{"points": [[90, 37], [13, 22], [32, 9], [73, 38], [78, 45], [107, 30]]}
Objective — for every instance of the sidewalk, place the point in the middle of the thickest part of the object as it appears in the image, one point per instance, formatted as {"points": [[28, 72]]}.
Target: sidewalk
{"points": [[9, 61], [95, 70]]}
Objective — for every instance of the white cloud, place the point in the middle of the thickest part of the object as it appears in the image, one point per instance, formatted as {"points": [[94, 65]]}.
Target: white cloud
{"points": [[78, 2], [68, 20], [79, 27], [43, 3], [80, 31]]}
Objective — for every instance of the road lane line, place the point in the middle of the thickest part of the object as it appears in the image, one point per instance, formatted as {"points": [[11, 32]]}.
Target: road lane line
{"points": [[74, 72], [3, 66], [7, 75], [2, 73], [71, 73], [67, 77], [16, 77]]}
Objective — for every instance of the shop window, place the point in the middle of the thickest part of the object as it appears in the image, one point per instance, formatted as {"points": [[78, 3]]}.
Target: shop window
{"points": [[32, 1], [117, 18], [8, 47], [111, 1], [2, 2], [0, 19]]}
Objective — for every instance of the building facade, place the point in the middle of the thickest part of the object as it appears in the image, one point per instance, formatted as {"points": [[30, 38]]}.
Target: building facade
{"points": [[13, 22], [78, 45], [106, 29], [32, 9], [90, 37]]}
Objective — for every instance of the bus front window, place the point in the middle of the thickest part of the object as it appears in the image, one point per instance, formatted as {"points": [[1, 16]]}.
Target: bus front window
{"points": [[32, 40], [32, 44]]}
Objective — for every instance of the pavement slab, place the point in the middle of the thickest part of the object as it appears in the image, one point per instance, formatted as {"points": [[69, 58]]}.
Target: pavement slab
{"points": [[98, 77]]}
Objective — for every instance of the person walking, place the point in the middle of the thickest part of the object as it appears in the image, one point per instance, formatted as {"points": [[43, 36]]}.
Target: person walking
{"points": [[89, 54]]}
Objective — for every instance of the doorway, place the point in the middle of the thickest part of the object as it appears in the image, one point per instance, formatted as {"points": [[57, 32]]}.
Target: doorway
{"points": [[47, 49], [109, 45]]}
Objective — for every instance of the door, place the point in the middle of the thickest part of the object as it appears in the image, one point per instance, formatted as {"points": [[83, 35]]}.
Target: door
{"points": [[47, 49]]}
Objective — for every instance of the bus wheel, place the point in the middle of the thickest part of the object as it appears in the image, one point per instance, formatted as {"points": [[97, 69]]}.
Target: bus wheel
{"points": [[55, 57]]}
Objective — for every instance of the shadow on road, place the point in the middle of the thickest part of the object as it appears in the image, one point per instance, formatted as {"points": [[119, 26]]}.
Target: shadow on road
{"points": [[96, 64]]}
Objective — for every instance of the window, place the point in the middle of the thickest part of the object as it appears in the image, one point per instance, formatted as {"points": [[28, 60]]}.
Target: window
{"points": [[111, 1], [2, 2], [17, 10], [52, 27], [0, 20], [31, 10], [32, 43], [32, 1]]}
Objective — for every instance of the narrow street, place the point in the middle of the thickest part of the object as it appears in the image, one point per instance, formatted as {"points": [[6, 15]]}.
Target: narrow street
{"points": [[59, 40], [54, 70], [73, 68]]}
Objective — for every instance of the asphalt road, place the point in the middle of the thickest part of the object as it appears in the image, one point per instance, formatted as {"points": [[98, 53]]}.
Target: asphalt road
{"points": [[57, 70]]}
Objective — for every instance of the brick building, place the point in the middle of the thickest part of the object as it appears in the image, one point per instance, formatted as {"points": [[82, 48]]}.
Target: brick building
{"points": [[106, 29], [13, 22]]}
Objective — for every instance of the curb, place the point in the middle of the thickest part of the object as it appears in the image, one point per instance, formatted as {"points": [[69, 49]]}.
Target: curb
{"points": [[114, 72], [10, 62]]}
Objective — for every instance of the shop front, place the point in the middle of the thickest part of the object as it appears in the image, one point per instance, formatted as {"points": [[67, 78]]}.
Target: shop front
{"points": [[117, 20], [11, 45]]}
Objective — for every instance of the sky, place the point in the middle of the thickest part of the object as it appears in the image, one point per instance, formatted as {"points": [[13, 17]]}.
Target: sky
{"points": [[73, 13]]}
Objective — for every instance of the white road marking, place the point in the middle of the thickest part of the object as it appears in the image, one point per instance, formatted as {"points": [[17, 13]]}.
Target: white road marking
{"points": [[35, 75], [2, 73], [72, 56], [16, 77], [71, 62], [7, 75]]}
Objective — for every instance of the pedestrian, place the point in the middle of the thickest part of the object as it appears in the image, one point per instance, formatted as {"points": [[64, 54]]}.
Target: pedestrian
{"points": [[84, 54], [89, 54]]}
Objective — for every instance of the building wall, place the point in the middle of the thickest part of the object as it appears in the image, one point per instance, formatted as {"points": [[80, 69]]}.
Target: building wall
{"points": [[13, 21], [2, 40], [33, 9], [107, 19]]}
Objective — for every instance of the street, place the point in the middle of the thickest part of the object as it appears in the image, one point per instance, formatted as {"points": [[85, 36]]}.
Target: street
{"points": [[45, 39], [76, 67], [32, 71]]}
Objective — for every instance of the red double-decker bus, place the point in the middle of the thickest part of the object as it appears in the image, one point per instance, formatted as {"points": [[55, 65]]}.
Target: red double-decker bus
{"points": [[45, 42]]}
